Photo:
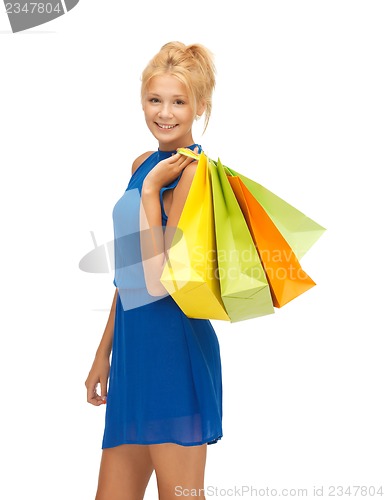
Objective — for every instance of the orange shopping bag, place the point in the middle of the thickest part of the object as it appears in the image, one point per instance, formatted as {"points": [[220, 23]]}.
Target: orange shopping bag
{"points": [[284, 273]]}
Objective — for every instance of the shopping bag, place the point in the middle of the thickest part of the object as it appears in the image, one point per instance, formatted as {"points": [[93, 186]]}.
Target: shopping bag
{"points": [[190, 270], [285, 232], [287, 279], [244, 287], [299, 231]]}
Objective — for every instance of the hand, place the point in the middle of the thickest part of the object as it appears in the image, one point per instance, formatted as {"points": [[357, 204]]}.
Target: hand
{"points": [[99, 374], [167, 170]]}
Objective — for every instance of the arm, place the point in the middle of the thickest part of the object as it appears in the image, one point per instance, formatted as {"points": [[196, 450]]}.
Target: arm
{"points": [[155, 243], [105, 345], [151, 240], [100, 369]]}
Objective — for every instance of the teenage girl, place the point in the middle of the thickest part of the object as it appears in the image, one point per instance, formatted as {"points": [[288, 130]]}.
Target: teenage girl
{"points": [[164, 398]]}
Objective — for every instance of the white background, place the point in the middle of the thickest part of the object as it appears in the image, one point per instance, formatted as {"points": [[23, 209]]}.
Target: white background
{"points": [[299, 107]]}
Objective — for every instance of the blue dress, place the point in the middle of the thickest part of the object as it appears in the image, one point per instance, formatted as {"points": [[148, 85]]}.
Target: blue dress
{"points": [[165, 383]]}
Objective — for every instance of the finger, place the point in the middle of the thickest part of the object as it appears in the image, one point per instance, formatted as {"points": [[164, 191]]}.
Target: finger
{"points": [[103, 390], [182, 162], [175, 157], [97, 397], [91, 394], [188, 161]]}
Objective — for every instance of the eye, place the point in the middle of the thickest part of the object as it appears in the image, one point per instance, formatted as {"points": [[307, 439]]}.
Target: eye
{"points": [[180, 102], [154, 99]]}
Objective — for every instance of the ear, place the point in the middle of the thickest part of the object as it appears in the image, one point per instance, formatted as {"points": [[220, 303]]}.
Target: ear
{"points": [[201, 108]]}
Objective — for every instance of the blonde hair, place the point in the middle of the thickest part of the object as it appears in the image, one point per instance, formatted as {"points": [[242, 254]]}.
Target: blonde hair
{"points": [[192, 64]]}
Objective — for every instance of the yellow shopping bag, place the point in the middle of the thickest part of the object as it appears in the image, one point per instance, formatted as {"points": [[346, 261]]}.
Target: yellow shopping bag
{"points": [[190, 273]]}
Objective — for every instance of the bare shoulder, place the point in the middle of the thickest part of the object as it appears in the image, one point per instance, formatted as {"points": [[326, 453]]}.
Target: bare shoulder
{"points": [[137, 163]]}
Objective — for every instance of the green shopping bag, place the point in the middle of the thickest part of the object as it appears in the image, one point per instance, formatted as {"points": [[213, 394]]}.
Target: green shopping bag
{"points": [[244, 287], [299, 231]]}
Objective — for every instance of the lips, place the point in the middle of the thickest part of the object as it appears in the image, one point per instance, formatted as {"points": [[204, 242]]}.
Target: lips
{"points": [[165, 126]]}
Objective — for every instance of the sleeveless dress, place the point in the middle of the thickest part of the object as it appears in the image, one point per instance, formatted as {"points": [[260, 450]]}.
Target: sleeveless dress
{"points": [[165, 383]]}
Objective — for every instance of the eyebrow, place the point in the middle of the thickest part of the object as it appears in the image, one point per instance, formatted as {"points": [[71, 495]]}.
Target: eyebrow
{"points": [[177, 95]]}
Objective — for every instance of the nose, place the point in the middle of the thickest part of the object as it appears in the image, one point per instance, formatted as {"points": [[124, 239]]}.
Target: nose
{"points": [[165, 111]]}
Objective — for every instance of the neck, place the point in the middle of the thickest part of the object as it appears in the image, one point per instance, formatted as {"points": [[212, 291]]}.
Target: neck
{"points": [[174, 145]]}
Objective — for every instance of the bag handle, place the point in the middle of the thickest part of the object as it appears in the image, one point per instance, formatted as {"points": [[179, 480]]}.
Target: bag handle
{"points": [[227, 170], [188, 152]]}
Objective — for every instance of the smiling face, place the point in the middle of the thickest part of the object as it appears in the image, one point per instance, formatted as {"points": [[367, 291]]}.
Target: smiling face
{"points": [[169, 112]]}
